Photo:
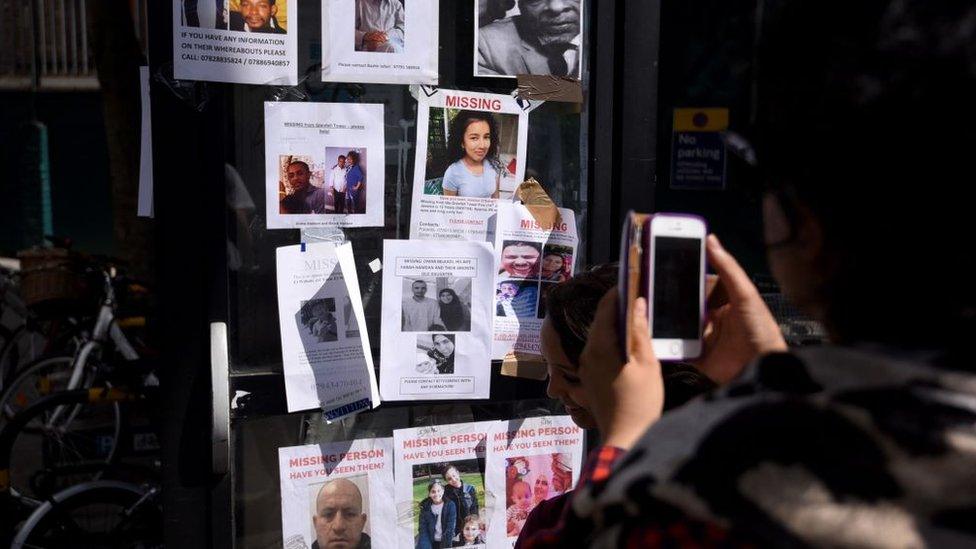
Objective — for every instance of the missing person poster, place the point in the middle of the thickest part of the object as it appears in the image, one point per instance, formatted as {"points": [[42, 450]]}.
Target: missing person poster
{"points": [[542, 38], [439, 481], [437, 320], [324, 164], [535, 250], [327, 363], [238, 41], [337, 495], [470, 155], [380, 41], [527, 462]]}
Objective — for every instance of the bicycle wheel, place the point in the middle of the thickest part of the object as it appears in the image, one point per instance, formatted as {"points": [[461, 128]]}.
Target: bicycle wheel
{"points": [[49, 453], [33, 340], [98, 514]]}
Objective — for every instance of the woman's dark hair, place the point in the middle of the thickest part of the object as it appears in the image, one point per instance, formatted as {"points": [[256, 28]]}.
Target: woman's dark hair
{"points": [[571, 306], [435, 482], [865, 116], [459, 126], [451, 313], [449, 337], [354, 156]]}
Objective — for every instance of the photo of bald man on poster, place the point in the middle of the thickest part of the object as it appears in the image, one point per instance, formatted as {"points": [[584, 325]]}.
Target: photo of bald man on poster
{"points": [[340, 518]]}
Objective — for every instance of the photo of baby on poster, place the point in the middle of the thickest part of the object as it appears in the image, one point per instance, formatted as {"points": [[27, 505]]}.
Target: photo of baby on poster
{"points": [[325, 357], [471, 151], [529, 461], [440, 486], [437, 320], [337, 494], [237, 41], [324, 164], [380, 41]]}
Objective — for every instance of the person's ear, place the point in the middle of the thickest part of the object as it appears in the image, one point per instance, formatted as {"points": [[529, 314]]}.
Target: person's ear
{"points": [[274, 10]]}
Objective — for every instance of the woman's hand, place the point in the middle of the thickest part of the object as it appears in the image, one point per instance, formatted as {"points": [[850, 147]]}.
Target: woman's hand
{"points": [[625, 397], [739, 326]]}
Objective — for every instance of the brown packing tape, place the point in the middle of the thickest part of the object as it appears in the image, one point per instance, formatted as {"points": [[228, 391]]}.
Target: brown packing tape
{"points": [[537, 201], [546, 87], [525, 366]]}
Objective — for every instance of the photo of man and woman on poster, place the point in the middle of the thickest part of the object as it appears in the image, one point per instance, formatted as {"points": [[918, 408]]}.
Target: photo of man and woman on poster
{"points": [[337, 188]]}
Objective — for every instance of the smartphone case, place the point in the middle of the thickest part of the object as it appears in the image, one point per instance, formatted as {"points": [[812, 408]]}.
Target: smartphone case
{"points": [[632, 281]]}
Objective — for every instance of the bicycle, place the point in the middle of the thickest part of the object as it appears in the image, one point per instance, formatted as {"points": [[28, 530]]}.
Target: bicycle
{"points": [[95, 513], [73, 436]]}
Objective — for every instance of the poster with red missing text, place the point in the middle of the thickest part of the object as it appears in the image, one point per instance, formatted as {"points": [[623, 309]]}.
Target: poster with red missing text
{"points": [[532, 257], [528, 461], [440, 481], [337, 494], [470, 155]]}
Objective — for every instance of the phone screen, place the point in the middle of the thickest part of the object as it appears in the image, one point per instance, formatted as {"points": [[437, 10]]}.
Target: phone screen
{"points": [[677, 283]]}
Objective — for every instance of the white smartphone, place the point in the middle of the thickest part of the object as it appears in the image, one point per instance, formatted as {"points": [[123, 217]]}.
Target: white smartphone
{"points": [[676, 267]]}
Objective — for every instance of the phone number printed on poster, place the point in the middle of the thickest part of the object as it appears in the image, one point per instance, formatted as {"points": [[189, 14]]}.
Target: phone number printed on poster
{"points": [[240, 41]]}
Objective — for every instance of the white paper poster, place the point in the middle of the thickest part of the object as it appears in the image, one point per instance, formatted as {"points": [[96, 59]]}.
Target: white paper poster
{"points": [[380, 41], [239, 41], [437, 320], [527, 462], [337, 494], [470, 155], [531, 259], [324, 164], [145, 201], [326, 359], [441, 465]]}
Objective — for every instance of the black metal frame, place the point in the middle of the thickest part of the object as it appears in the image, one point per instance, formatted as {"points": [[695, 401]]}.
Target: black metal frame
{"points": [[624, 118]]}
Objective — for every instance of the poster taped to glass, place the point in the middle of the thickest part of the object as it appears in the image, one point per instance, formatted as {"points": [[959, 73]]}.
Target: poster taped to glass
{"points": [[529, 461], [324, 164], [535, 250], [437, 321], [324, 347], [380, 41], [439, 483], [471, 151], [337, 495], [237, 41]]}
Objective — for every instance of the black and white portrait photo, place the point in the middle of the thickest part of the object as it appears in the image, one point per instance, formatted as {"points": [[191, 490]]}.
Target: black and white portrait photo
{"points": [[528, 37]]}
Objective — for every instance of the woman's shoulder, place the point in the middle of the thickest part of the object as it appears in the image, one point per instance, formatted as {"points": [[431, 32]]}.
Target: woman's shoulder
{"points": [[454, 169]]}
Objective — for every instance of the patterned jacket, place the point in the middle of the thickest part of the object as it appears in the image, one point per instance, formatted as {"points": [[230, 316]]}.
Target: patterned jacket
{"points": [[827, 446]]}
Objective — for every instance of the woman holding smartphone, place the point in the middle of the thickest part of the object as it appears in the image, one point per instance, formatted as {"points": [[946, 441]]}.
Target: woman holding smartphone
{"points": [[571, 309], [475, 170]]}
